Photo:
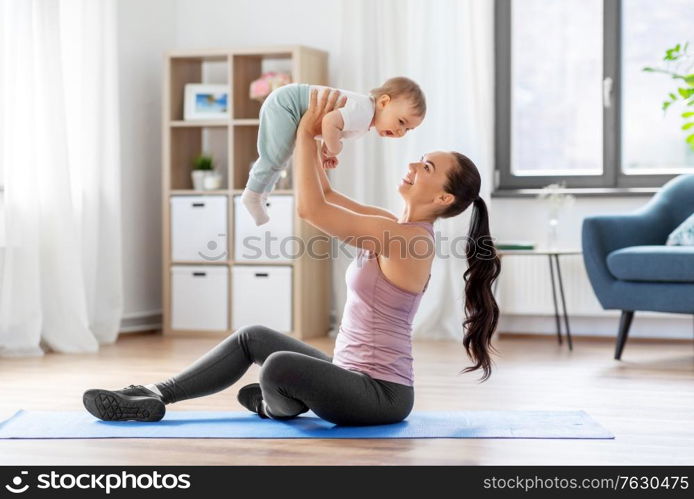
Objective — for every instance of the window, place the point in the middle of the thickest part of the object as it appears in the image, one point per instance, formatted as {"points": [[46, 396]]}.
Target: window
{"points": [[573, 103], [556, 68], [651, 139]]}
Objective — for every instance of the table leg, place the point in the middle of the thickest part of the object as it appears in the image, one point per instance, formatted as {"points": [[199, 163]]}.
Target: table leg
{"points": [[563, 303], [554, 298], [495, 286]]}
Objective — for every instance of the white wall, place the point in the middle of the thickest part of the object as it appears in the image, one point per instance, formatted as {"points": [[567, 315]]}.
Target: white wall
{"points": [[146, 30], [252, 23]]}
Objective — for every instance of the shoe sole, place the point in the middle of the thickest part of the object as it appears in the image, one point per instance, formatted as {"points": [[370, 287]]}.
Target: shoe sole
{"points": [[253, 387], [112, 406]]}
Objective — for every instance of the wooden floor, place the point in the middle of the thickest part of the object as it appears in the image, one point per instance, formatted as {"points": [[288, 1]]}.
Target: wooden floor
{"points": [[647, 401]]}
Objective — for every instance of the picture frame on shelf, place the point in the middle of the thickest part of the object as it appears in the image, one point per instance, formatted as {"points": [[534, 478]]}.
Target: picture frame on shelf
{"points": [[206, 101]]}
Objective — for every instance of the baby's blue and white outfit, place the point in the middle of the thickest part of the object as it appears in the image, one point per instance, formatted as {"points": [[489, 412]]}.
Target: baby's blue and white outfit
{"points": [[279, 119]]}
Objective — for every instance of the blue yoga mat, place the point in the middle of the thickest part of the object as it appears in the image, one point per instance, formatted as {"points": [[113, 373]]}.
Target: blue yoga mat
{"points": [[206, 424]]}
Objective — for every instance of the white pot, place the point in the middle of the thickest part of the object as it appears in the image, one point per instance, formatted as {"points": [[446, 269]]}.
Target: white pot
{"points": [[212, 181], [198, 177]]}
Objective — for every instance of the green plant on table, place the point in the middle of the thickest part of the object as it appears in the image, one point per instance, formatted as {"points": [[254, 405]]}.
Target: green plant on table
{"points": [[203, 162], [679, 64]]}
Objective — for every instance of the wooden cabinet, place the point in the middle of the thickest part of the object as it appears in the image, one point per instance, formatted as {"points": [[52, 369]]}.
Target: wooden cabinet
{"points": [[232, 143]]}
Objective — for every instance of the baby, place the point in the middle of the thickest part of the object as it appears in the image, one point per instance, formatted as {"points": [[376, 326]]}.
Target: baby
{"points": [[392, 109]]}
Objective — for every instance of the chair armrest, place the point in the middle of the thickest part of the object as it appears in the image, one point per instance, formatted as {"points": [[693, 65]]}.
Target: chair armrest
{"points": [[621, 231]]}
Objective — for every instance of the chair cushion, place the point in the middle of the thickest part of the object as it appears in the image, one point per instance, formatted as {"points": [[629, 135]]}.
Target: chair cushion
{"points": [[683, 235], [653, 263]]}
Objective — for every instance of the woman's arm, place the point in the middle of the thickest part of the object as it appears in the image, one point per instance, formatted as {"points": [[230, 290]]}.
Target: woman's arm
{"points": [[335, 197], [364, 231]]}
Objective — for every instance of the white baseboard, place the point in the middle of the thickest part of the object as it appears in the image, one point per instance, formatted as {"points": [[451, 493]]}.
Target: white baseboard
{"points": [[141, 321], [646, 325]]}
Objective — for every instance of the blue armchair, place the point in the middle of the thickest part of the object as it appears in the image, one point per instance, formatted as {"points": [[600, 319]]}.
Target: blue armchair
{"points": [[629, 265]]}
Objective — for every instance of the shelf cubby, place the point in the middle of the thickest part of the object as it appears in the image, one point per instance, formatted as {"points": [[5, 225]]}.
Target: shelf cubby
{"points": [[189, 142], [249, 67], [189, 69]]}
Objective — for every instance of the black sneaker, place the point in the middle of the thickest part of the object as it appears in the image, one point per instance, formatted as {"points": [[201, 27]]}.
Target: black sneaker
{"points": [[251, 398], [134, 403]]}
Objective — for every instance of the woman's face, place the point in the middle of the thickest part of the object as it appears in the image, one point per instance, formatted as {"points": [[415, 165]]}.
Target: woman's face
{"points": [[425, 179]]}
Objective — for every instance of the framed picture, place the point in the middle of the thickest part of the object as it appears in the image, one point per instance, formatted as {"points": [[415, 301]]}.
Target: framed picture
{"points": [[204, 101]]}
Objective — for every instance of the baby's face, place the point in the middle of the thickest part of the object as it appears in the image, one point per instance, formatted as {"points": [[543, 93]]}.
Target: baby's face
{"points": [[395, 117]]}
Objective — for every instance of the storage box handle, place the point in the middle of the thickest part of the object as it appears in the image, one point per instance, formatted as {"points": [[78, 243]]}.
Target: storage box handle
{"points": [[199, 274], [262, 274], [198, 205]]}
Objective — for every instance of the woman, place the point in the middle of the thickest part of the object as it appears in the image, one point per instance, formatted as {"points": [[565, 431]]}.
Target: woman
{"points": [[369, 381]]}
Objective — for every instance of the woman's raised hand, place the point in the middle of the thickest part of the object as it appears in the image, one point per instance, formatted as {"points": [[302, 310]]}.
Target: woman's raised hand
{"points": [[311, 121]]}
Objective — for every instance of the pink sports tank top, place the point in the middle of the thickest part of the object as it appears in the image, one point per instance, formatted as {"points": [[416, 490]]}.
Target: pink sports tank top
{"points": [[375, 334]]}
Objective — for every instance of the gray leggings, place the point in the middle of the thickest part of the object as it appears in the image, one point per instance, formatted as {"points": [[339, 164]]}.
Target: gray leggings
{"points": [[294, 378]]}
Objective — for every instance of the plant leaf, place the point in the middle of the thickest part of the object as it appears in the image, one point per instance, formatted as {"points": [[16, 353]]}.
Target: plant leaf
{"points": [[688, 114], [648, 69], [686, 92], [671, 54], [687, 126], [689, 79], [666, 104]]}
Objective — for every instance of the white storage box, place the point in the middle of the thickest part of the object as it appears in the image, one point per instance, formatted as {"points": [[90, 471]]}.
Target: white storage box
{"points": [[200, 297], [272, 241], [262, 295], [199, 228]]}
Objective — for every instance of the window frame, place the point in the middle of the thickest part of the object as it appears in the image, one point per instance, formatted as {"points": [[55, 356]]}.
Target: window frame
{"points": [[612, 176]]}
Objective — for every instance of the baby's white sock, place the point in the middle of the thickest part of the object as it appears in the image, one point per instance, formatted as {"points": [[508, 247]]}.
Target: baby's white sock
{"points": [[154, 389], [255, 204]]}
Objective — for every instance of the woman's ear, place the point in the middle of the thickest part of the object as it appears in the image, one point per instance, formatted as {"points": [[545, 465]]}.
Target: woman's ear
{"points": [[445, 199]]}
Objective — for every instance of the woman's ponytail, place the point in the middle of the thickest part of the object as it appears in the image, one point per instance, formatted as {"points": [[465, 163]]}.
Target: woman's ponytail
{"points": [[481, 309]]}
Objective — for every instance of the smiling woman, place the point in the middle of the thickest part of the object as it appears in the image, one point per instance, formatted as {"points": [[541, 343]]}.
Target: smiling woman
{"points": [[441, 184], [369, 380]]}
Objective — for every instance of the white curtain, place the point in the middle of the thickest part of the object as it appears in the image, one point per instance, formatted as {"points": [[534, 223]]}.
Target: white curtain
{"points": [[61, 286], [447, 47]]}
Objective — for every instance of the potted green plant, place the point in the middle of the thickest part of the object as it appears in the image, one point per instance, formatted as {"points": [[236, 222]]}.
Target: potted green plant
{"points": [[679, 65], [204, 175]]}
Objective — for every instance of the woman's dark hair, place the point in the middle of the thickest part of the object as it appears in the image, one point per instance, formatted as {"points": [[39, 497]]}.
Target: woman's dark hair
{"points": [[481, 310]]}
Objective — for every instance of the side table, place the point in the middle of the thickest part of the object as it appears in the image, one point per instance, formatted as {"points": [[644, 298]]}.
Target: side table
{"points": [[553, 257]]}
